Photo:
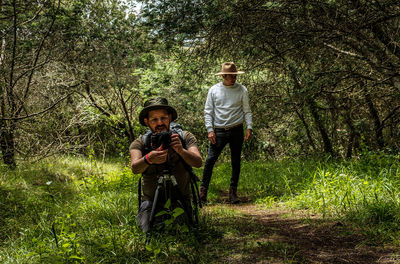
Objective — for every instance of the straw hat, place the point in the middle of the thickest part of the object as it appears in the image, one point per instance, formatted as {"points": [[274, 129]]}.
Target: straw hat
{"points": [[153, 104], [229, 68]]}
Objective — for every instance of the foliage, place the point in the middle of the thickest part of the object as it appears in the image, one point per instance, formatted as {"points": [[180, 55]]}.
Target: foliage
{"points": [[79, 210], [76, 210], [322, 78], [322, 75], [67, 81]]}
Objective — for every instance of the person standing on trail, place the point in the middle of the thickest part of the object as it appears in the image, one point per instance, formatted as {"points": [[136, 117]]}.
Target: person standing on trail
{"points": [[226, 109], [157, 115]]}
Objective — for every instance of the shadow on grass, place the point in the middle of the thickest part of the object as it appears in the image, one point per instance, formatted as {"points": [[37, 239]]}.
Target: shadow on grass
{"points": [[247, 234], [28, 196]]}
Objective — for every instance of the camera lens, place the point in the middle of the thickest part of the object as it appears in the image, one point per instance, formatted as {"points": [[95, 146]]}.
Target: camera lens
{"points": [[163, 138]]}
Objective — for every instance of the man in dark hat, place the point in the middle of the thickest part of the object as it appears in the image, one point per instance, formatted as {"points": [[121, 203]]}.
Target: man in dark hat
{"points": [[157, 115], [226, 109]]}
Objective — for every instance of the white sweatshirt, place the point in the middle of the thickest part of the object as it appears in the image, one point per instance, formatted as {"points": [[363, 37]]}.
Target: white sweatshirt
{"points": [[227, 106]]}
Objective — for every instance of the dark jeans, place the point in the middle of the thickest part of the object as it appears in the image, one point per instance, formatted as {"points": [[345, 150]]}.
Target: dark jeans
{"points": [[233, 137]]}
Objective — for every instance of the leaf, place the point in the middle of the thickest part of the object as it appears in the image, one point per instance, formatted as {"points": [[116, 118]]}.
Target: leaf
{"points": [[177, 212], [75, 257], [30, 254], [169, 221], [167, 203], [149, 247], [163, 212], [184, 229]]}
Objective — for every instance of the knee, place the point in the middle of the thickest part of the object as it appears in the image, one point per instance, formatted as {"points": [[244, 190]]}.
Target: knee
{"points": [[143, 217], [145, 206], [211, 160]]}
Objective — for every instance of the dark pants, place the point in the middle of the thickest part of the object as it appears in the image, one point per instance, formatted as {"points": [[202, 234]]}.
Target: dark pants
{"points": [[233, 137], [143, 217]]}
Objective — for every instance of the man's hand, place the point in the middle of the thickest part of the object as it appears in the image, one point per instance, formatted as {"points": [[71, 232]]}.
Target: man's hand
{"points": [[191, 155], [211, 137], [248, 135], [176, 144], [158, 156]]}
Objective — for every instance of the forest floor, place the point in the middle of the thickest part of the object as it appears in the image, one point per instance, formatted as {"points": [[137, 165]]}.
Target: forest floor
{"points": [[275, 235]]}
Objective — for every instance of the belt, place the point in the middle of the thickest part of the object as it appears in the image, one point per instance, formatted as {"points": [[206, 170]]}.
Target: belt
{"points": [[228, 128]]}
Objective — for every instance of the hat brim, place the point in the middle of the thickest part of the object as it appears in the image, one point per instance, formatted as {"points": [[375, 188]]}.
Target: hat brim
{"points": [[238, 72], [143, 114]]}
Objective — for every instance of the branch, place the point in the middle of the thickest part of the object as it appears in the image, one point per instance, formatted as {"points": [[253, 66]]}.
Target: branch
{"points": [[101, 109], [36, 58], [390, 115], [38, 113], [5, 32], [343, 51], [10, 94]]}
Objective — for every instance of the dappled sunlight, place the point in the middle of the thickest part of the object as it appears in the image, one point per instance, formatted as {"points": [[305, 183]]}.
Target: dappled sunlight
{"points": [[73, 208], [281, 236]]}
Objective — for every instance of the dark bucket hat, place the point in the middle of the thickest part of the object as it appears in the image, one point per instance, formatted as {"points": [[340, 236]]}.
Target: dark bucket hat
{"points": [[153, 104]]}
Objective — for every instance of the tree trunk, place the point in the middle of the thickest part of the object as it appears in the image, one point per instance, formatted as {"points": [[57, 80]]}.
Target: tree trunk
{"points": [[353, 136], [377, 122], [307, 128], [7, 145], [325, 138]]}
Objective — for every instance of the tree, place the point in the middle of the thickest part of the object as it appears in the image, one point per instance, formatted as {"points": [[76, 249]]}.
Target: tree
{"points": [[67, 76], [29, 43], [340, 59], [108, 58]]}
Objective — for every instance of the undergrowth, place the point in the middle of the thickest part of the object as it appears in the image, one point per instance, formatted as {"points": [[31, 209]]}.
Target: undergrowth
{"points": [[362, 191], [79, 210]]}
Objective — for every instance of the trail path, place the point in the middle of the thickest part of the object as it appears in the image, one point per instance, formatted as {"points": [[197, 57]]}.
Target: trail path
{"points": [[254, 234]]}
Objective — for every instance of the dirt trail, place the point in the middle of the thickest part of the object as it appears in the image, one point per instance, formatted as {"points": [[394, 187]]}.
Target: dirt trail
{"points": [[276, 236]]}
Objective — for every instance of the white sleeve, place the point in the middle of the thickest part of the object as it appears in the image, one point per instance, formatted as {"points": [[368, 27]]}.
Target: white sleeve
{"points": [[209, 112], [246, 109]]}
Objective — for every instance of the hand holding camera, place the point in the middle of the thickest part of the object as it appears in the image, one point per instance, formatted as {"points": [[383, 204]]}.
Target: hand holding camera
{"points": [[158, 156], [163, 141], [176, 143]]}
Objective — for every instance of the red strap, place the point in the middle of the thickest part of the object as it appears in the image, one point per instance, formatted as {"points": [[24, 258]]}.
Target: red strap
{"points": [[148, 159]]}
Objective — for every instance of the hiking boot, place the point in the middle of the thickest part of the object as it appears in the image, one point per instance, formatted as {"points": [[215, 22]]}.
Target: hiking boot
{"points": [[233, 198], [203, 194]]}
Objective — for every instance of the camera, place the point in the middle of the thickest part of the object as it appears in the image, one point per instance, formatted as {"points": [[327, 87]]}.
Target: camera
{"points": [[162, 138]]}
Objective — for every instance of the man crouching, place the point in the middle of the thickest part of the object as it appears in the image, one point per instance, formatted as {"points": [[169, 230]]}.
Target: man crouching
{"points": [[153, 161]]}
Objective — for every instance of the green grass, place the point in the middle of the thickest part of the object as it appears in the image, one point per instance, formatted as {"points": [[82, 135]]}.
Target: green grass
{"points": [[69, 210], [79, 210], [363, 191]]}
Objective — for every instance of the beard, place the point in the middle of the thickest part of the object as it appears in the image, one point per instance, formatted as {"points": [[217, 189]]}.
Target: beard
{"points": [[161, 128]]}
